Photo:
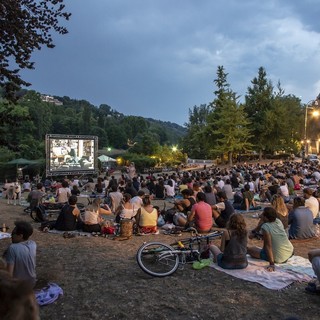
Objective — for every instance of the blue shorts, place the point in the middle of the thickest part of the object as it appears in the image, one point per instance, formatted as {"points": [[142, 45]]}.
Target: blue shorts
{"points": [[263, 255]]}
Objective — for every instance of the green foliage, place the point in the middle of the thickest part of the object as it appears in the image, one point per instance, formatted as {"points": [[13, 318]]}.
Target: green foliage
{"points": [[139, 160], [26, 26], [23, 126], [267, 122]]}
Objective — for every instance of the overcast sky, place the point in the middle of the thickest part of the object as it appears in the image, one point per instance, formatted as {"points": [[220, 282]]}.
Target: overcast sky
{"points": [[158, 58]]}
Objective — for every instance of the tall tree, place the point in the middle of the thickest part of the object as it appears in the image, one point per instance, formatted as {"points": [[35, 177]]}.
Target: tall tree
{"points": [[258, 101], [26, 26], [227, 128]]}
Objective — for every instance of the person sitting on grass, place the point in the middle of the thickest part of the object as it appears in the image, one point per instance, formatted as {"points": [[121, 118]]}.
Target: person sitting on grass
{"points": [[92, 217], [314, 258], [184, 207], [200, 216], [300, 220], [233, 249], [147, 218], [69, 218], [276, 246], [20, 256], [222, 211], [278, 204]]}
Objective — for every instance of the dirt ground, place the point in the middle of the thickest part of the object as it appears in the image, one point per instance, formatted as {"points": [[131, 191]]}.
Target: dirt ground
{"points": [[101, 280]]}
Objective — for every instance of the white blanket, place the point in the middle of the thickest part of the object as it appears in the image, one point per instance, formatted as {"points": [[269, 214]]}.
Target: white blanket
{"points": [[4, 235], [295, 269]]}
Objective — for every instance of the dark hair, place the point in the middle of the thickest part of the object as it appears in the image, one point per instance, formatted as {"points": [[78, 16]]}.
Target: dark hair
{"points": [[127, 197], [187, 192], [65, 184], [39, 185], [146, 200], [222, 194], [24, 228], [170, 183], [73, 200], [246, 187], [298, 202], [201, 196], [270, 213], [207, 189], [141, 193]]}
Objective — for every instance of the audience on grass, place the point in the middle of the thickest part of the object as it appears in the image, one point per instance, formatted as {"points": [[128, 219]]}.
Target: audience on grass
{"points": [[147, 217], [200, 216], [69, 218], [222, 211], [232, 253], [314, 258], [93, 220], [276, 246], [300, 220], [126, 209], [20, 256]]}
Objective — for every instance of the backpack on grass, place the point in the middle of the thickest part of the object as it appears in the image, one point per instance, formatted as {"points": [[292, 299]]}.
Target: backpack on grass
{"points": [[38, 214]]}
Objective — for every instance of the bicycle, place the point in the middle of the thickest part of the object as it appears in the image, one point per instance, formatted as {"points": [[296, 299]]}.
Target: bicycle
{"points": [[160, 260]]}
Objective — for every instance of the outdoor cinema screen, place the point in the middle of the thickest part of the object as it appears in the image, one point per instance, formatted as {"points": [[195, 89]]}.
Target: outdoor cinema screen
{"points": [[71, 154]]}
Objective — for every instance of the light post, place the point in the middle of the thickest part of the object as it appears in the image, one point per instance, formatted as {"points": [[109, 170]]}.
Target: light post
{"points": [[310, 105]]}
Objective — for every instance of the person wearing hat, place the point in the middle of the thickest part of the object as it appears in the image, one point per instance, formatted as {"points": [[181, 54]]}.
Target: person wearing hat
{"points": [[311, 202]]}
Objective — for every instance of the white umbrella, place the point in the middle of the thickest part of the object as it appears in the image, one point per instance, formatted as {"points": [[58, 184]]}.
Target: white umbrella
{"points": [[104, 158]]}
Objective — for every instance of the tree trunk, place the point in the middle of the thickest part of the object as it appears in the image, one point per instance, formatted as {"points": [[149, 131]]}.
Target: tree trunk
{"points": [[230, 158], [260, 155]]}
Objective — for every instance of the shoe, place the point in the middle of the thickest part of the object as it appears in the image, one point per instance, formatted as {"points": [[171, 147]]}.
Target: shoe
{"points": [[312, 289]]}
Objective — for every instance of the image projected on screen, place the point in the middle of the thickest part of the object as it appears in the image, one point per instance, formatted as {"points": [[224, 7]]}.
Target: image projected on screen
{"points": [[71, 154]]}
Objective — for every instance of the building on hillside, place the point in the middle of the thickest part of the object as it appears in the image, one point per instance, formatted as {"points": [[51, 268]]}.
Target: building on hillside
{"points": [[50, 99]]}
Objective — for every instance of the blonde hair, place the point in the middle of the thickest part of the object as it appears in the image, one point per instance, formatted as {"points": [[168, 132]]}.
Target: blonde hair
{"points": [[278, 204], [95, 204]]}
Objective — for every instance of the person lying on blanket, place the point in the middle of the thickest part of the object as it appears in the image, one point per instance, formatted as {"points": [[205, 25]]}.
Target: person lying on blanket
{"points": [[276, 246], [233, 249], [314, 258]]}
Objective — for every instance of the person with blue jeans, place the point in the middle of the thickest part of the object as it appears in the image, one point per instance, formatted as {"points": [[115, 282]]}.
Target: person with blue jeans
{"points": [[314, 258]]}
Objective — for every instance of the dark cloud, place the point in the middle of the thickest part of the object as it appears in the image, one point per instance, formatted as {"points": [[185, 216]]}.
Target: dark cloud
{"points": [[159, 58]]}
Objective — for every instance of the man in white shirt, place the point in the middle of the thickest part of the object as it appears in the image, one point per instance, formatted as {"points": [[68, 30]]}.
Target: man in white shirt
{"points": [[311, 202], [137, 200]]}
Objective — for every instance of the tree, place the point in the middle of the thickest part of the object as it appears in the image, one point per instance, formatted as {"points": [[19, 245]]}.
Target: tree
{"points": [[227, 128], [259, 99], [26, 26], [195, 140]]}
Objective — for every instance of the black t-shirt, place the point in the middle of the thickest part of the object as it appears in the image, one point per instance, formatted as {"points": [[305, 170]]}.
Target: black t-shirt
{"points": [[66, 220]]}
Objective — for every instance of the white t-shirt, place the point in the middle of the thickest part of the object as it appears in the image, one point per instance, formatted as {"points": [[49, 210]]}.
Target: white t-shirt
{"points": [[313, 204]]}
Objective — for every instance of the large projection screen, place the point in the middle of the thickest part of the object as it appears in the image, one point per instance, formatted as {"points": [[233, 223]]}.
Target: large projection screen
{"points": [[71, 154]]}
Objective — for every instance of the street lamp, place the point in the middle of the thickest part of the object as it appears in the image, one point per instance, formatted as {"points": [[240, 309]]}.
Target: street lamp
{"points": [[310, 105]]}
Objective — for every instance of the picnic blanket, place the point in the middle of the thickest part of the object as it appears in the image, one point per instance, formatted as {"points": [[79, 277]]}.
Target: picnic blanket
{"points": [[4, 235], [295, 269], [75, 232]]}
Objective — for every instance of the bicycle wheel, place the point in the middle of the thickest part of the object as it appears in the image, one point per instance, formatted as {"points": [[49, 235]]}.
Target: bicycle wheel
{"points": [[157, 259]]}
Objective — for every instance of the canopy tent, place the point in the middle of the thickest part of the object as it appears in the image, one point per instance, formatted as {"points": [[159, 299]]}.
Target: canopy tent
{"points": [[104, 158], [22, 161]]}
